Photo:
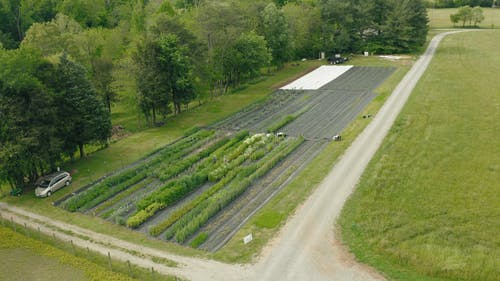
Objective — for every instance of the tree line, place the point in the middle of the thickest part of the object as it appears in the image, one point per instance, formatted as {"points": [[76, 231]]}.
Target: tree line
{"points": [[163, 54], [48, 110], [459, 3], [467, 14]]}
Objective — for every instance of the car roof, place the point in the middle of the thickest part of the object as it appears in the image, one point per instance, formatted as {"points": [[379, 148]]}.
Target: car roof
{"points": [[50, 176]]}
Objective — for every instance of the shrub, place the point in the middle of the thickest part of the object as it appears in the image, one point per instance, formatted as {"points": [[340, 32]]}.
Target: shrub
{"points": [[200, 239], [143, 215]]}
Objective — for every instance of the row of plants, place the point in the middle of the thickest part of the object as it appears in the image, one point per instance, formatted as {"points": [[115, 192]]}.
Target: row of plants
{"points": [[109, 203], [116, 183], [176, 190], [287, 120], [186, 180], [192, 221], [162, 226], [179, 166]]}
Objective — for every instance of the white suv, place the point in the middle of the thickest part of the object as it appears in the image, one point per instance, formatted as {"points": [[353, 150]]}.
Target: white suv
{"points": [[50, 183]]}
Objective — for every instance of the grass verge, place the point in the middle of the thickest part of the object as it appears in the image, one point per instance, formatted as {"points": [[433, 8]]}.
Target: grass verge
{"points": [[46, 258], [427, 206]]}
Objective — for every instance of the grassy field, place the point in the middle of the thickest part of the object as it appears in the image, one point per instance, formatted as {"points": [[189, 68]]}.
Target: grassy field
{"points": [[427, 208], [440, 18], [46, 259]]}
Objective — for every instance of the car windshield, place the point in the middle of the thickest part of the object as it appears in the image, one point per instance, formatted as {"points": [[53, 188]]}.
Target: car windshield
{"points": [[45, 183]]}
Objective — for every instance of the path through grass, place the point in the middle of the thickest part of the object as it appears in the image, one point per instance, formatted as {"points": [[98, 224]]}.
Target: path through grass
{"points": [[427, 208]]}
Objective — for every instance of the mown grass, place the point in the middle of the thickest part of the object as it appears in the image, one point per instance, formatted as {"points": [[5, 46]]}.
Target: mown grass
{"points": [[440, 18], [267, 222], [427, 208], [30, 255]]}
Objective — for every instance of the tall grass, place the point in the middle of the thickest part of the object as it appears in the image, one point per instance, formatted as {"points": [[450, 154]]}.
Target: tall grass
{"points": [[427, 207]]}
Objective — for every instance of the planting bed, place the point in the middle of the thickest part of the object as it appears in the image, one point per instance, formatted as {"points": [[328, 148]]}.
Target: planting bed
{"points": [[202, 188]]}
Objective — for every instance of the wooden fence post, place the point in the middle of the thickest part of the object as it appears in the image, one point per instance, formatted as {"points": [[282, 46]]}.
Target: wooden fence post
{"points": [[109, 261]]}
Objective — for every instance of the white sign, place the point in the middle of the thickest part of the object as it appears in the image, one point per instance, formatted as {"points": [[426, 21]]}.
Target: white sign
{"points": [[247, 239]]}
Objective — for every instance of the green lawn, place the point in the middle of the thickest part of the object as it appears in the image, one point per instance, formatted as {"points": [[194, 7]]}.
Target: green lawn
{"points": [[440, 18], [427, 208]]}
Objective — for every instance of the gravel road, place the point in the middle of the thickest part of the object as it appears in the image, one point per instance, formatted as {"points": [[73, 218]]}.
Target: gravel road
{"points": [[307, 248]]}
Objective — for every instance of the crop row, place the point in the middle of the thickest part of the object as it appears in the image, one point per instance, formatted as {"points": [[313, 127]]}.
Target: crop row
{"points": [[122, 195], [287, 120], [223, 181], [198, 216], [177, 189], [119, 182]]}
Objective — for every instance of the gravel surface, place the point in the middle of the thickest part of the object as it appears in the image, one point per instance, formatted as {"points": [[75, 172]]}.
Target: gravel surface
{"points": [[306, 248]]}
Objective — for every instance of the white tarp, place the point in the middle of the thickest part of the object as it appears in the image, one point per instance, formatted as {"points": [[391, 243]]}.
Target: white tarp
{"points": [[318, 78]]}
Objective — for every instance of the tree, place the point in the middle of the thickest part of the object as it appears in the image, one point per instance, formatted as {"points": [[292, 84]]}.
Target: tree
{"points": [[28, 141], [97, 47], [90, 13], [56, 36], [220, 24], [152, 90], [174, 63], [275, 31], [477, 15], [305, 26], [245, 58], [164, 76], [16, 16], [464, 14], [83, 116], [376, 25]]}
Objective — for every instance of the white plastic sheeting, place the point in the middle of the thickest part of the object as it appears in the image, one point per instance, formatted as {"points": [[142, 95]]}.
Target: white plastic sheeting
{"points": [[318, 78]]}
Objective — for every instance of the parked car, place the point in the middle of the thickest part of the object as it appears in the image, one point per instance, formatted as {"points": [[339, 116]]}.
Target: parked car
{"points": [[51, 183], [337, 59]]}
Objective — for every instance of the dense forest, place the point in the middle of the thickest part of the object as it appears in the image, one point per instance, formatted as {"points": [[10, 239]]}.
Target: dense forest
{"points": [[65, 62]]}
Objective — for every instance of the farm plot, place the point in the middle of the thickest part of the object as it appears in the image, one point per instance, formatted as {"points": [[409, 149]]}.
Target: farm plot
{"points": [[201, 189], [176, 191], [314, 114]]}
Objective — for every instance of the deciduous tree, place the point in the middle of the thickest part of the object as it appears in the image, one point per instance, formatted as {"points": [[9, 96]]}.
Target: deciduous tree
{"points": [[275, 31]]}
